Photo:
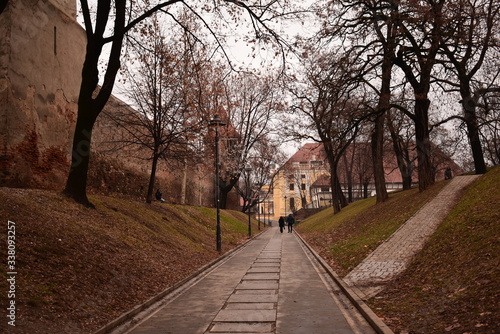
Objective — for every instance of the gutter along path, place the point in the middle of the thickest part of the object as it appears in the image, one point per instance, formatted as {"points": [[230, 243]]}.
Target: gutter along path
{"points": [[271, 285]]}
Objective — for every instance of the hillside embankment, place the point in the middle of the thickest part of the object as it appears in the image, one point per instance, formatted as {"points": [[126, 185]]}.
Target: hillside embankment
{"points": [[74, 269], [452, 285], [78, 268]]}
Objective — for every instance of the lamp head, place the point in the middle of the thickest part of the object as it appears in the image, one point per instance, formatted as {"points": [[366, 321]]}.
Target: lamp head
{"points": [[216, 121]]}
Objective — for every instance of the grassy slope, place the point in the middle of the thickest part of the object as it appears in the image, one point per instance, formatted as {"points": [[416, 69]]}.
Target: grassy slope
{"points": [[452, 286], [345, 239], [78, 268]]}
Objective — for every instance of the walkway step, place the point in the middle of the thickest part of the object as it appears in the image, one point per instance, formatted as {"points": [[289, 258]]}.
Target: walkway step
{"points": [[246, 310]]}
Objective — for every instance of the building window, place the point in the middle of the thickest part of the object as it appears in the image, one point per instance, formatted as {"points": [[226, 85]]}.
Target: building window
{"points": [[292, 186], [303, 186], [303, 176], [292, 204]]}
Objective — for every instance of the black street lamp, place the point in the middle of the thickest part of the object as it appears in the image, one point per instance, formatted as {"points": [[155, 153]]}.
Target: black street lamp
{"points": [[285, 205], [216, 122], [249, 198]]}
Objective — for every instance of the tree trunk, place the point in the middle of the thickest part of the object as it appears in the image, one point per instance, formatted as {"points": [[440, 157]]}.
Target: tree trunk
{"points": [[425, 170], [378, 159], [407, 180], [3, 5], [335, 195], [76, 184], [348, 171], [378, 129], [469, 107], [152, 177], [339, 200], [184, 182], [225, 188], [402, 155]]}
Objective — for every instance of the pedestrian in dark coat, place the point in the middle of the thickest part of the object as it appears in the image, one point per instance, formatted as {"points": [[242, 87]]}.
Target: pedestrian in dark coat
{"points": [[281, 223], [290, 220], [447, 173], [158, 196]]}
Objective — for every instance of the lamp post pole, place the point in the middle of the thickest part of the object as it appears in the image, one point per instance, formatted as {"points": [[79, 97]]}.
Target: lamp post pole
{"points": [[285, 205], [216, 122], [258, 208], [249, 197]]}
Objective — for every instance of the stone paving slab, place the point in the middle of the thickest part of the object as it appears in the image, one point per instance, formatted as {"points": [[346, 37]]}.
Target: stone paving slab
{"points": [[246, 315], [253, 298], [266, 264], [266, 269], [257, 285], [267, 260], [260, 327], [250, 305], [392, 257], [255, 292], [261, 276]]}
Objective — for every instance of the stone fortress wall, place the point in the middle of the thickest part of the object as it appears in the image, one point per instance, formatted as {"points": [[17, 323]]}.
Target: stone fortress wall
{"points": [[42, 50]]}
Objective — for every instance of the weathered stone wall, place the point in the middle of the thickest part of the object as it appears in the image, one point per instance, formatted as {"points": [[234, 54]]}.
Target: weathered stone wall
{"points": [[41, 48]]}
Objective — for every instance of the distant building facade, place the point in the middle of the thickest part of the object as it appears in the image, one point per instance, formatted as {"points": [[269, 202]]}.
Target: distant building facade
{"points": [[304, 180]]}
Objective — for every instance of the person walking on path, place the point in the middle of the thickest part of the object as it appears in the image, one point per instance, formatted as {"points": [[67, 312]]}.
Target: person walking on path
{"points": [[282, 223], [290, 220]]}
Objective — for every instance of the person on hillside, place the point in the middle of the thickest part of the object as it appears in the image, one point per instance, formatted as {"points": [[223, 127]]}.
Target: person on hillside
{"points": [[447, 173], [281, 223], [290, 220], [158, 196]]}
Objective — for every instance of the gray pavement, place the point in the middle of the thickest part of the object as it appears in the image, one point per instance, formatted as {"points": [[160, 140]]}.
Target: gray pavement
{"points": [[269, 286], [393, 256]]}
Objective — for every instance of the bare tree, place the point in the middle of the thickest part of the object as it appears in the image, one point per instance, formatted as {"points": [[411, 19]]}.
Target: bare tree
{"points": [[489, 123], [471, 37], [111, 22], [369, 33], [255, 182], [401, 135], [251, 105], [164, 122], [421, 26], [335, 109]]}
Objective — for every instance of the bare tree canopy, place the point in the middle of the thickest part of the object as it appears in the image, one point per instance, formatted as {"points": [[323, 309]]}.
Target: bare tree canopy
{"points": [[107, 28]]}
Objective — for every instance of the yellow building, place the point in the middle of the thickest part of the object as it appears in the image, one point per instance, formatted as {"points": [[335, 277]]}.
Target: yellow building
{"points": [[292, 185]]}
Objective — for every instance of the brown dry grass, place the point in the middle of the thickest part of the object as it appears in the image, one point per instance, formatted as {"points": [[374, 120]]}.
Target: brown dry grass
{"points": [[453, 284], [79, 268]]}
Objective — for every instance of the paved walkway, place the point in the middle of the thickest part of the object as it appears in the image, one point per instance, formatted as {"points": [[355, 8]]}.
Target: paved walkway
{"points": [[269, 286], [393, 256]]}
